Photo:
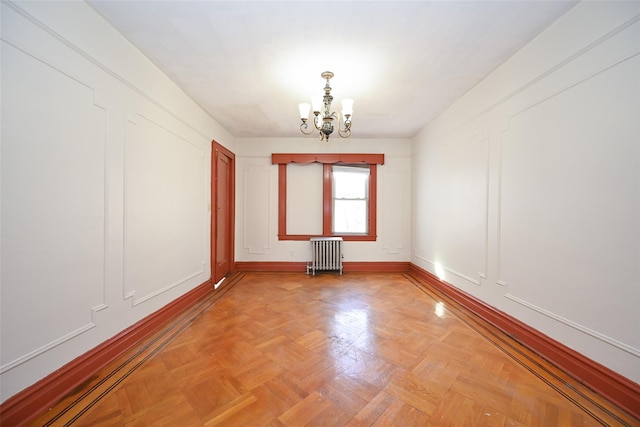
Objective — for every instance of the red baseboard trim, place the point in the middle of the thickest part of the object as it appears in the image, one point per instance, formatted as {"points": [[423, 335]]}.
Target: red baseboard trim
{"points": [[613, 386], [301, 267], [376, 267], [36, 399], [275, 266]]}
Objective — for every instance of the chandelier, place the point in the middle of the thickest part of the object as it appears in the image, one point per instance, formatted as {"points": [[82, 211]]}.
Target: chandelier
{"points": [[323, 117]]}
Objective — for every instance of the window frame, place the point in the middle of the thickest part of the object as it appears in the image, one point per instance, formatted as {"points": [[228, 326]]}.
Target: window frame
{"points": [[361, 170], [327, 160]]}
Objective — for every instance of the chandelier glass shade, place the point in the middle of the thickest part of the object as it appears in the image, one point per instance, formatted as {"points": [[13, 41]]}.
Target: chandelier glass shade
{"points": [[323, 117]]}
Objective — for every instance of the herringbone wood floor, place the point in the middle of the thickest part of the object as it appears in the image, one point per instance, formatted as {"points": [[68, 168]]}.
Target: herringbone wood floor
{"points": [[359, 349]]}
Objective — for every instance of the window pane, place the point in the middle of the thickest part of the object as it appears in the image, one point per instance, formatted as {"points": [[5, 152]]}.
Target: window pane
{"points": [[350, 216], [350, 184], [350, 199]]}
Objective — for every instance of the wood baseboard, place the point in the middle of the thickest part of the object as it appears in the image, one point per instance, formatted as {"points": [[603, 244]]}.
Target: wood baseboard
{"points": [[274, 266], [376, 267], [364, 267], [28, 404], [613, 386], [36, 399]]}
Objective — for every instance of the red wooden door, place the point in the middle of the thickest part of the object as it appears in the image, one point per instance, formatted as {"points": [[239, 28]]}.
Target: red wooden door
{"points": [[223, 200]]}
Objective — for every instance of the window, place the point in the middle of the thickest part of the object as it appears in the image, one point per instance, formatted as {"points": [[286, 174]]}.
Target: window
{"points": [[348, 196], [350, 199]]}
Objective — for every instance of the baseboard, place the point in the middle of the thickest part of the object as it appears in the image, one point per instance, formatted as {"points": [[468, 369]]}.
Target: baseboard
{"points": [[275, 266], [36, 399], [349, 266], [376, 267], [613, 386]]}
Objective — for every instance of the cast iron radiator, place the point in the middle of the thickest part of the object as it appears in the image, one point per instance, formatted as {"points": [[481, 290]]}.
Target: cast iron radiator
{"points": [[326, 254]]}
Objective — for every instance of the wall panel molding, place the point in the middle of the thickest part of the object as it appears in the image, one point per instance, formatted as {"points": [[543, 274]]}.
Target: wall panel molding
{"points": [[71, 98], [392, 188], [436, 265], [595, 334], [518, 291], [22, 359], [83, 110], [540, 98], [37, 398], [633, 20], [104, 68], [19, 361], [603, 380], [165, 288], [166, 154], [256, 194], [457, 181]]}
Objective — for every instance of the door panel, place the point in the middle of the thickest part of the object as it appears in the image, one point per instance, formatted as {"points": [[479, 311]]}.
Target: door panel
{"points": [[223, 200]]}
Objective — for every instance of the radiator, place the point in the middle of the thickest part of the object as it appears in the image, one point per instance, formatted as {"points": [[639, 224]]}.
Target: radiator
{"points": [[326, 254]]}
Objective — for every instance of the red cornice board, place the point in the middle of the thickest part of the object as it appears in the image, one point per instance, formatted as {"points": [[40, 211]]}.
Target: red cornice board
{"points": [[326, 158]]}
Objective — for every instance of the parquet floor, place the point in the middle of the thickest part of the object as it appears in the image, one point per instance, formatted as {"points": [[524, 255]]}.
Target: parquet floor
{"points": [[359, 350]]}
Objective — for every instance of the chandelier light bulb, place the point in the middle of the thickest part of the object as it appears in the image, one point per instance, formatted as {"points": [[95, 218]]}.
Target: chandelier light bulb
{"points": [[316, 101], [347, 107], [304, 111]]}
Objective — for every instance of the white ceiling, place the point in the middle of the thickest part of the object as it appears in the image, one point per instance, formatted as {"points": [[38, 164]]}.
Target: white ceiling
{"points": [[249, 63]]}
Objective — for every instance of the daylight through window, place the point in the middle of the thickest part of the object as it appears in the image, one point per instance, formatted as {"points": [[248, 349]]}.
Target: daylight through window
{"points": [[350, 199], [345, 204]]}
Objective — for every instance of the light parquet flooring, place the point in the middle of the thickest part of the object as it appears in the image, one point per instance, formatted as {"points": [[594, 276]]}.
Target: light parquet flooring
{"points": [[354, 350]]}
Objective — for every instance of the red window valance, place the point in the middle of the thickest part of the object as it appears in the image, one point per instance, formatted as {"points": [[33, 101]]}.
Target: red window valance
{"points": [[284, 158]]}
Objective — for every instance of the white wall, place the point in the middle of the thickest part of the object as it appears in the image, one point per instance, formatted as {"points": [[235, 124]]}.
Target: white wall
{"points": [[105, 188], [527, 190], [257, 200]]}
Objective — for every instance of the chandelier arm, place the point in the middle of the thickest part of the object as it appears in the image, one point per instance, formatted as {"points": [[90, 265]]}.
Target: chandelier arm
{"points": [[317, 122], [303, 128], [324, 117], [346, 133]]}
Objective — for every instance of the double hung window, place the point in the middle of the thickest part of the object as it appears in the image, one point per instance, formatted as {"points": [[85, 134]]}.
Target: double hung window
{"points": [[350, 199], [344, 192]]}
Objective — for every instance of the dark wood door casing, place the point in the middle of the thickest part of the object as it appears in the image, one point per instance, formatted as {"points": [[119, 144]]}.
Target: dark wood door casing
{"points": [[222, 211]]}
